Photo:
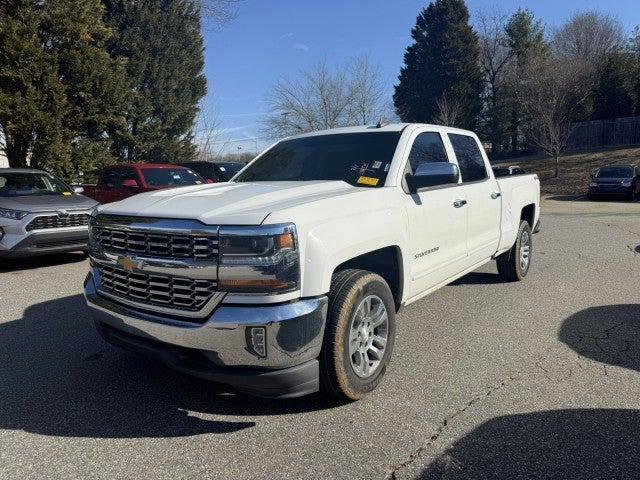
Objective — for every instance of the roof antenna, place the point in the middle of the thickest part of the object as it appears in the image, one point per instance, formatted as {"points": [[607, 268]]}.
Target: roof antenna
{"points": [[382, 123]]}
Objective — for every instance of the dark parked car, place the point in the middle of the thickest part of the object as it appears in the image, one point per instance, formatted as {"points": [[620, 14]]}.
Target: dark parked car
{"points": [[40, 214], [506, 171], [215, 172], [623, 180]]}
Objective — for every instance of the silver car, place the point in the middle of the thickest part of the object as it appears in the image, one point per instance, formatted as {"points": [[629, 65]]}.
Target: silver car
{"points": [[40, 214]]}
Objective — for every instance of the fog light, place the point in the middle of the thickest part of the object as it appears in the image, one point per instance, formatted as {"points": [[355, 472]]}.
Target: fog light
{"points": [[257, 340]]}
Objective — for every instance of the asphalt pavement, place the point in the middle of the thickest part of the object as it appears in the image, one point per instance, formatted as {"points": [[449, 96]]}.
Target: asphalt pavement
{"points": [[538, 379]]}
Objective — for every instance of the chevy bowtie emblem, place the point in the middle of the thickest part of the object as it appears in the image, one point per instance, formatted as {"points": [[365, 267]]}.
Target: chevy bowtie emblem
{"points": [[62, 213], [129, 264]]}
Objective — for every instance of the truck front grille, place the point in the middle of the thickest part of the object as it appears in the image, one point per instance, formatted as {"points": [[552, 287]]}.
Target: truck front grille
{"points": [[155, 244], [56, 221], [156, 290]]}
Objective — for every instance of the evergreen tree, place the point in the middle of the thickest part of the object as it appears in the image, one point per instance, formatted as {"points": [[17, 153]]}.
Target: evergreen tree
{"points": [[441, 67], [614, 95], [162, 43], [61, 94], [526, 39]]}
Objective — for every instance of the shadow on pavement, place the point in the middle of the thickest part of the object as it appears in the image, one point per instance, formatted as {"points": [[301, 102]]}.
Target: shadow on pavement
{"points": [[28, 263], [479, 278], [568, 198], [59, 378], [608, 334], [563, 444]]}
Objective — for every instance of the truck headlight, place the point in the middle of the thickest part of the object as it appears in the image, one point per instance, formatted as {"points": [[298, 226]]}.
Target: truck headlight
{"points": [[626, 183], [13, 214], [593, 184], [259, 259]]}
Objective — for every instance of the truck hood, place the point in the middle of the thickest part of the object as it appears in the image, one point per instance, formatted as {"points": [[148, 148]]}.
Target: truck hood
{"points": [[227, 203], [47, 203]]}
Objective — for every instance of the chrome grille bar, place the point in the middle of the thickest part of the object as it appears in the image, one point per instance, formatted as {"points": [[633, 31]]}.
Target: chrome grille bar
{"points": [[174, 292]]}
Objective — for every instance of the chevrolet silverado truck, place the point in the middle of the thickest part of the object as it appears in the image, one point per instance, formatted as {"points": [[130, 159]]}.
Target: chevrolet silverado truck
{"points": [[287, 280], [127, 179]]}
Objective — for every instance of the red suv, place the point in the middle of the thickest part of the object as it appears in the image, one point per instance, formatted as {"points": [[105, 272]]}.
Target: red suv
{"points": [[125, 180]]}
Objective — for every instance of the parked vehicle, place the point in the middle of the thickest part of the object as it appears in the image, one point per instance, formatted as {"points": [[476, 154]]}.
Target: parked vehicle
{"points": [[40, 214], [125, 180], [510, 170], [214, 172], [612, 180], [288, 278]]}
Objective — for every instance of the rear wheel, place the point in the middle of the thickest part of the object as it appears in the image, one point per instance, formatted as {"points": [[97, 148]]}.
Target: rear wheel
{"points": [[359, 334], [514, 264]]}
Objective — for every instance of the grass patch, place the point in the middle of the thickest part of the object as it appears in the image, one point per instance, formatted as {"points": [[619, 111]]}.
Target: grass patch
{"points": [[575, 168]]}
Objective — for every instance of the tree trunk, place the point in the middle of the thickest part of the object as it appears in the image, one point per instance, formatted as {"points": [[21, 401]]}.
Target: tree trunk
{"points": [[557, 166], [17, 150]]}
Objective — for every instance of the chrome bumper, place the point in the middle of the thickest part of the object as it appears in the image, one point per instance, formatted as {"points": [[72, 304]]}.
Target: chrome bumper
{"points": [[293, 331]]}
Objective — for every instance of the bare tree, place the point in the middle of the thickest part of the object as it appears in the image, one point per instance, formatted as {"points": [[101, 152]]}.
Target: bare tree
{"points": [[589, 37], [324, 97], [551, 97], [450, 112], [496, 58], [367, 91], [207, 134], [220, 12]]}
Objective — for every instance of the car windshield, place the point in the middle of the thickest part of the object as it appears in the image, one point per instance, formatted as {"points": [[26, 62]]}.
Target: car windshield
{"points": [[229, 169], [621, 171], [170, 177], [360, 159], [13, 184]]}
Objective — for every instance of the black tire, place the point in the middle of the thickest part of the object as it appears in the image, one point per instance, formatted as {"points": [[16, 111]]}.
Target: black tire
{"points": [[509, 266], [348, 289]]}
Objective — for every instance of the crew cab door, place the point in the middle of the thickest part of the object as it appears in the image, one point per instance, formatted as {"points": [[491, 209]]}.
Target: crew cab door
{"points": [[437, 220], [482, 192]]}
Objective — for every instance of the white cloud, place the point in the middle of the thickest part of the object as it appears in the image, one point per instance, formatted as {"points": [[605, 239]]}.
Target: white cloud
{"points": [[300, 46], [286, 35]]}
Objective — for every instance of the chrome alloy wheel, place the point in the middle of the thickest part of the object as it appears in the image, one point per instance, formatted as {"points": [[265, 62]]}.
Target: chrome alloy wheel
{"points": [[368, 336], [525, 250]]}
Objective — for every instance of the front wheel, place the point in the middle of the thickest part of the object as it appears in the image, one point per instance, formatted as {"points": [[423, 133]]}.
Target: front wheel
{"points": [[514, 264], [359, 334]]}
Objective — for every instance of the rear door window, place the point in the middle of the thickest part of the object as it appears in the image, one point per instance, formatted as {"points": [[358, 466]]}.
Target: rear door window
{"points": [[470, 160]]}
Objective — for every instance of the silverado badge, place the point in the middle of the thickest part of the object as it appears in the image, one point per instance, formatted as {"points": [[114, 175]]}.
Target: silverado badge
{"points": [[129, 264]]}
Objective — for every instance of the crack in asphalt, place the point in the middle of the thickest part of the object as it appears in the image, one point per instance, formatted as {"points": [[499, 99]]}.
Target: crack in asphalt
{"points": [[391, 473]]}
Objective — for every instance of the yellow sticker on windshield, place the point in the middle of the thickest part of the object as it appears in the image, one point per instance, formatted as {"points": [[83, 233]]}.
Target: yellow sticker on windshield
{"points": [[67, 193], [198, 182], [369, 181]]}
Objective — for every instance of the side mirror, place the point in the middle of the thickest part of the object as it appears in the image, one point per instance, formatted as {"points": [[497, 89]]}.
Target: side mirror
{"points": [[433, 175], [591, 176], [78, 190], [130, 183]]}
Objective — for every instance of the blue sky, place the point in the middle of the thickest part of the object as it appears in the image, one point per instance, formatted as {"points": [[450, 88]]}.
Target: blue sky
{"points": [[271, 38]]}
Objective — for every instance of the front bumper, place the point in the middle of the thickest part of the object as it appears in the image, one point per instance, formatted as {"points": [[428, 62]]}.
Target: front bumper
{"points": [[43, 242], [613, 191], [219, 348]]}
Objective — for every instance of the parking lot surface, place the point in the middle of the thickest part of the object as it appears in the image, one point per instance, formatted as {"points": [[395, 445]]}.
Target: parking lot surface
{"points": [[538, 379]]}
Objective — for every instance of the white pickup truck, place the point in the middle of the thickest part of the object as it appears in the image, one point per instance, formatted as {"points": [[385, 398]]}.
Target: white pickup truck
{"points": [[287, 280]]}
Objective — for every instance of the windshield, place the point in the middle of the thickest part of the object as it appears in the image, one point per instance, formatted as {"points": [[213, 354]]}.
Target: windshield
{"points": [[621, 171], [360, 159], [14, 184], [170, 177], [228, 170]]}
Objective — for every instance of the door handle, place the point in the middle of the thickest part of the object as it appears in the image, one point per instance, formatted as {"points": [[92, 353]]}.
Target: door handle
{"points": [[495, 195], [459, 203]]}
